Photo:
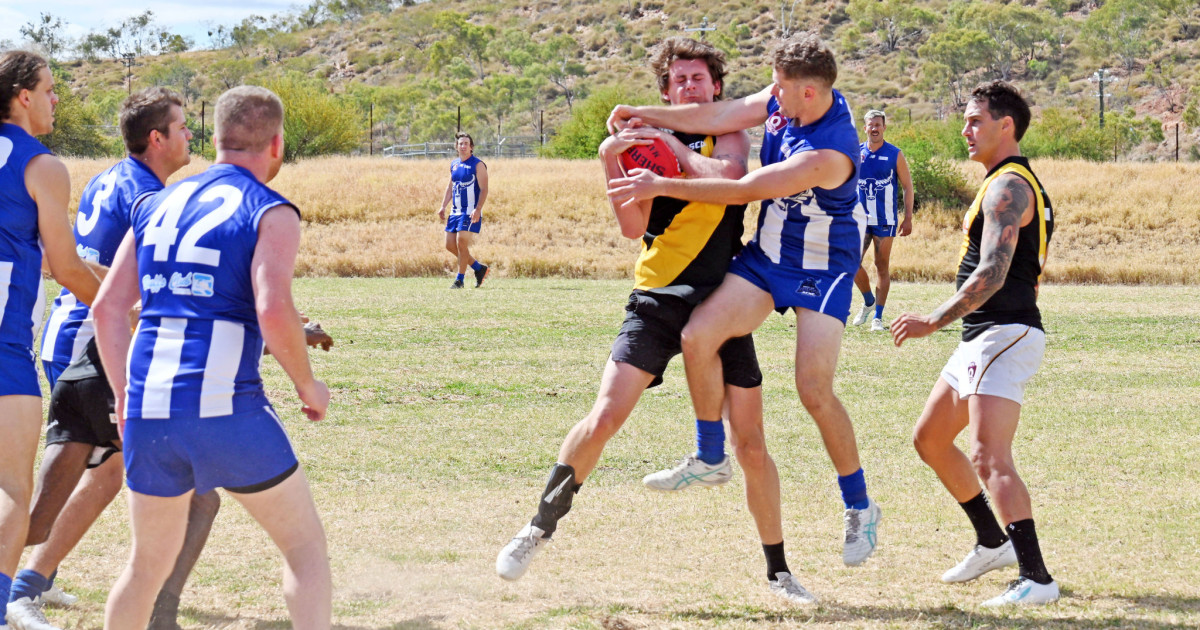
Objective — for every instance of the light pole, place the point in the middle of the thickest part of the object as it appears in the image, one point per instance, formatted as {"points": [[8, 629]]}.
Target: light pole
{"points": [[702, 29]]}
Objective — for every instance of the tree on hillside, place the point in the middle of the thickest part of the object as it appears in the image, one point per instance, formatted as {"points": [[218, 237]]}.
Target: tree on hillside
{"points": [[560, 57], [1120, 28], [894, 22], [46, 34], [1017, 32], [178, 75], [137, 35], [951, 57], [462, 40], [76, 125]]}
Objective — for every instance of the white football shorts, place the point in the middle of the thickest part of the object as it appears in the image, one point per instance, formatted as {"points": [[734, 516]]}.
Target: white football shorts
{"points": [[999, 362]]}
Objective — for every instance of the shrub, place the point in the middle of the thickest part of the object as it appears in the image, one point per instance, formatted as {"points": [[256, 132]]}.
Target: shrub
{"points": [[931, 149], [316, 122], [580, 137]]}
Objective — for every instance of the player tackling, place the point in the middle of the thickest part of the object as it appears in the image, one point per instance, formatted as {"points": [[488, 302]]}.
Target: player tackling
{"points": [[1007, 230], [212, 259], [803, 256], [686, 250]]}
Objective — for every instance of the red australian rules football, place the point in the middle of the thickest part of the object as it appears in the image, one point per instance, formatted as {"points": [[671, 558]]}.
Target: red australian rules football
{"points": [[657, 158]]}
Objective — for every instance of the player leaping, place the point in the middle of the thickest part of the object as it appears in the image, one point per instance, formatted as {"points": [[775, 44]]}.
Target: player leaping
{"points": [[686, 250], [803, 256]]}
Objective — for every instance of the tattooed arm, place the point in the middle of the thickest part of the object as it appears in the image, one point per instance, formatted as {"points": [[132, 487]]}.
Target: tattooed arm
{"points": [[1008, 200]]}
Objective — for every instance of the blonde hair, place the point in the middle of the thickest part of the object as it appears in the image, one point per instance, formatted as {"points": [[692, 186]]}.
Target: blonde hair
{"points": [[247, 118]]}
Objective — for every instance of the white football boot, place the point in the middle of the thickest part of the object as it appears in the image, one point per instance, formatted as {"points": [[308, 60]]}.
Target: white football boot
{"points": [[877, 325], [980, 561], [1025, 592], [861, 527], [55, 596], [26, 614], [863, 315], [691, 471], [515, 557], [786, 585]]}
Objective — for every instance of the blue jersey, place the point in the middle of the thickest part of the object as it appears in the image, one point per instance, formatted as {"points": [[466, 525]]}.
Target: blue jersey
{"points": [[465, 195], [878, 183], [100, 227], [22, 302], [197, 348], [818, 229]]}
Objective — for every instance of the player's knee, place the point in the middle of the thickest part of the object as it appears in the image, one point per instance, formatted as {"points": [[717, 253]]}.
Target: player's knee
{"points": [[815, 393], [696, 341], [925, 443], [990, 462], [750, 450], [603, 423]]}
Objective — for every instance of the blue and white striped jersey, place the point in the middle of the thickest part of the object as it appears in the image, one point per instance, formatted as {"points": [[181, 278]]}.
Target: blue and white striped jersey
{"points": [[466, 186], [197, 347], [878, 184], [100, 227], [22, 302], [815, 229]]}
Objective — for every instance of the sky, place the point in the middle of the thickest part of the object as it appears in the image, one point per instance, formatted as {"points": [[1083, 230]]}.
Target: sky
{"points": [[189, 18]]}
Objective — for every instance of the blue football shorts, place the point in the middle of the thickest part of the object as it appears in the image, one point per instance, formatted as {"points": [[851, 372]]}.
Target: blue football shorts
{"points": [[826, 292], [246, 452], [462, 223]]}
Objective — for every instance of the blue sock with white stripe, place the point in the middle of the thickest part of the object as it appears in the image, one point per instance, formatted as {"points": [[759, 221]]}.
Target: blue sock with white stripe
{"points": [[878, 311], [868, 298], [476, 266], [5, 589], [459, 278], [710, 441], [854, 490], [29, 584]]}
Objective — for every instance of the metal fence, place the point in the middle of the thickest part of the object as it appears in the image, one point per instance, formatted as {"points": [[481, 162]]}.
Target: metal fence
{"points": [[512, 146]]}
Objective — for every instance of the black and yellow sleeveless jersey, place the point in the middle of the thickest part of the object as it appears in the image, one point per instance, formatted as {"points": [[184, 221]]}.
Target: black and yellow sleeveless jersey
{"points": [[1016, 301], [688, 245]]}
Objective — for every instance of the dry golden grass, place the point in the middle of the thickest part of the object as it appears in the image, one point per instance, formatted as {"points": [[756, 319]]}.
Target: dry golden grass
{"points": [[1116, 223]]}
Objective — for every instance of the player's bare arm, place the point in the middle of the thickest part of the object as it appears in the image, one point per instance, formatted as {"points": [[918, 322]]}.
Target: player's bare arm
{"points": [[481, 176], [633, 216], [446, 200], [906, 183], [729, 159], [49, 184], [117, 296], [810, 169], [271, 272], [1005, 207], [719, 118]]}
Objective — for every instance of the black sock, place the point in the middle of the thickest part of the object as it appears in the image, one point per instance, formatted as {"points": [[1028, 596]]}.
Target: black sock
{"points": [[776, 562], [1029, 554], [987, 528], [556, 498]]}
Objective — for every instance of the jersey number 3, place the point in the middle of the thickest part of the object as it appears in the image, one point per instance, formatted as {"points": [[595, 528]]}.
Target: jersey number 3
{"points": [[163, 230]]}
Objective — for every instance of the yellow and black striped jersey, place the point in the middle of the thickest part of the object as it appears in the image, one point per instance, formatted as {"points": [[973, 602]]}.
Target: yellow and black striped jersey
{"points": [[1016, 301], [688, 245]]}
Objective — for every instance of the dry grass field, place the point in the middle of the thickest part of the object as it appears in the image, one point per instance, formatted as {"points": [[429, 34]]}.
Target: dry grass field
{"points": [[449, 407], [1127, 223]]}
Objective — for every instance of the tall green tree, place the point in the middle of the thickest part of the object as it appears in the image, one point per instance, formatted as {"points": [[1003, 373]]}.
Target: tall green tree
{"points": [[894, 22], [1120, 28], [952, 58], [47, 33], [462, 40]]}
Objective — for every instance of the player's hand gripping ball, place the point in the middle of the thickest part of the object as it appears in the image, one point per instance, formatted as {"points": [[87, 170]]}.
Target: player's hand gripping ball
{"points": [[657, 158]]}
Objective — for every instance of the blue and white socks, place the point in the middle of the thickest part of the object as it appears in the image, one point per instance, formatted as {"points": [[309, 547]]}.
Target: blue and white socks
{"points": [[868, 298], [710, 441], [475, 266]]}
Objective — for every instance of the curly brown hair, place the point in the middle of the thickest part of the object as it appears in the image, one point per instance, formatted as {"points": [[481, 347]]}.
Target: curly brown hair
{"points": [[19, 70], [805, 56], [673, 49]]}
